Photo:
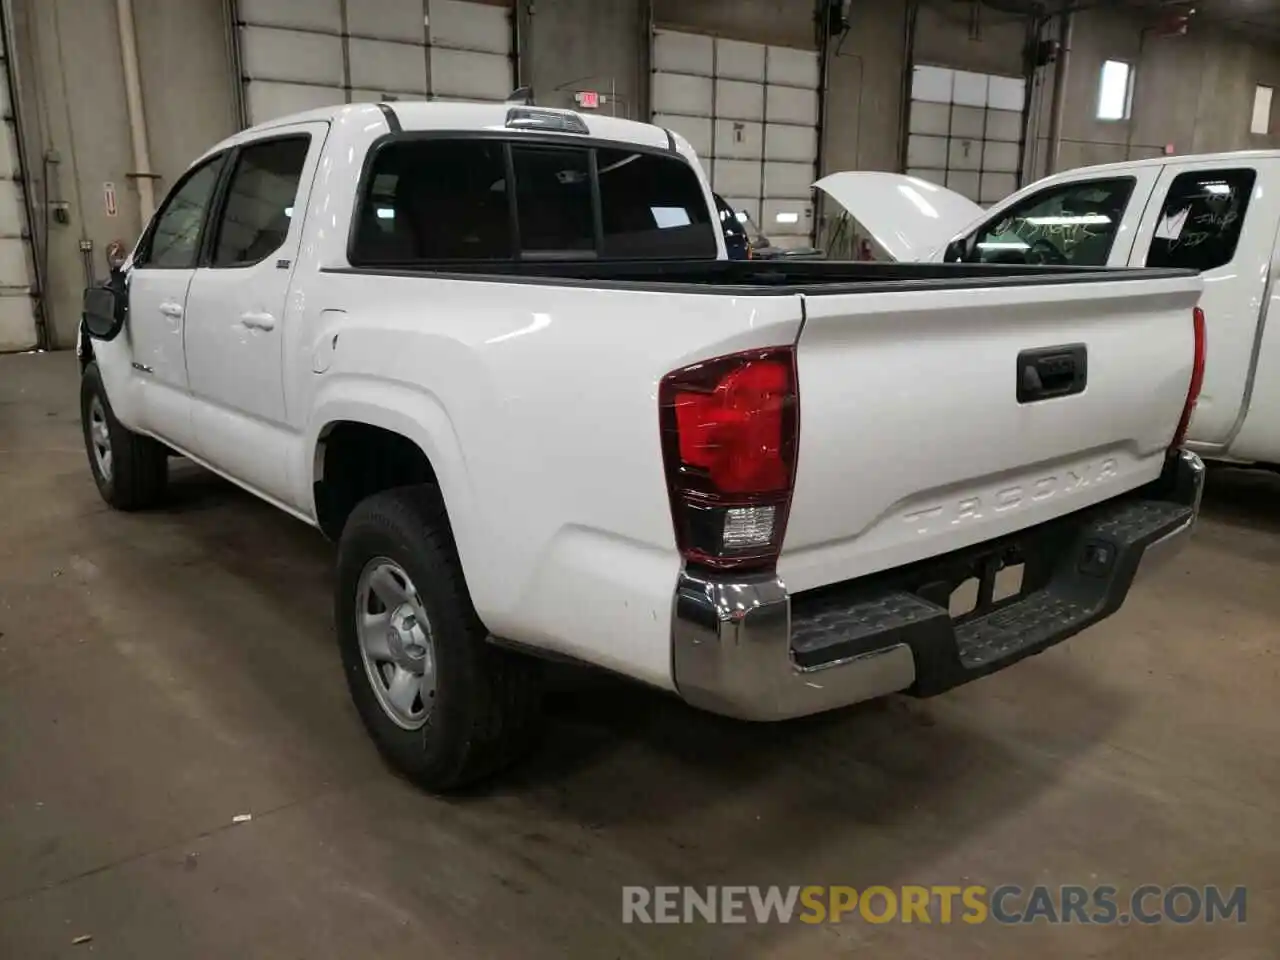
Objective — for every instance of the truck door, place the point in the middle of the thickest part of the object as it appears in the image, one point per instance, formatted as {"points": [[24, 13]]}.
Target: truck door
{"points": [[159, 278], [1214, 216], [237, 302]]}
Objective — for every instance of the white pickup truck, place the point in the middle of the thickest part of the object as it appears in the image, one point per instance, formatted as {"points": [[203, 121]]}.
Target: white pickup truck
{"points": [[1215, 213], [498, 355]]}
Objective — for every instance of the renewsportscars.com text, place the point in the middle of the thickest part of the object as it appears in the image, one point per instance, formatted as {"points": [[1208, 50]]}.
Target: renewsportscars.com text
{"points": [[1006, 904]]}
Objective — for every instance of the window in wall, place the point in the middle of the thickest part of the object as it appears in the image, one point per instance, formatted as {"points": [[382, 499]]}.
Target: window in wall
{"points": [[176, 236], [1261, 122], [1075, 223], [1201, 219], [260, 198], [433, 200], [652, 207], [1115, 90]]}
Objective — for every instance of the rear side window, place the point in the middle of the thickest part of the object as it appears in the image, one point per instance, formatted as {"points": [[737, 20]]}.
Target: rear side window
{"points": [[1074, 223], [652, 207], [434, 200], [260, 197], [1200, 222]]}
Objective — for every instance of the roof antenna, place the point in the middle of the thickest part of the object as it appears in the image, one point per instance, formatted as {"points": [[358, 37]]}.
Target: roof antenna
{"points": [[522, 95]]}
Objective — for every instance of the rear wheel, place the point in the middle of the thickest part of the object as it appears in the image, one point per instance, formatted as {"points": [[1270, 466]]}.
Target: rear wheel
{"points": [[443, 705], [129, 469]]}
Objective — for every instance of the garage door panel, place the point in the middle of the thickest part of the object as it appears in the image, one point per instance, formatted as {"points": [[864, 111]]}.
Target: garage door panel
{"points": [[1006, 93], [932, 84], [387, 20], [964, 154], [17, 323], [786, 218], [1004, 125], [968, 121], [323, 15], [783, 141], [697, 130], [790, 180], [970, 89], [933, 118], [683, 53], [797, 68], [928, 152], [686, 95], [792, 105], [964, 182], [739, 139], [9, 165], [470, 26], [737, 177], [292, 56], [371, 95], [478, 76], [739, 100], [13, 263], [1000, 157], [997, 186], [738, 60], [380, 64], [267, 100]]}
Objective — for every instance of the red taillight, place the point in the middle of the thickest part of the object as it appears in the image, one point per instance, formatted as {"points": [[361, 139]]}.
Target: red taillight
{"points": [[729, 434], [1197, 379]]}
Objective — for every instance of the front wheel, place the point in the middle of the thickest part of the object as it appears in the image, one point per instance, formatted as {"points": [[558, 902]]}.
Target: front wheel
{"points": [[130, 470], [445, 706]]}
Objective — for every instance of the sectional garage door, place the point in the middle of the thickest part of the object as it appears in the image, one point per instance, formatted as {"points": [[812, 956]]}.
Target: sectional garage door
{"points": [[300, 54], [751, 113], [17, 317], [965, 131]]}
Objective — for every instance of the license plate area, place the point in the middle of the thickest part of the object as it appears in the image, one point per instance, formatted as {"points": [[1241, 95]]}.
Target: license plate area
{"points": [[980, 584]]}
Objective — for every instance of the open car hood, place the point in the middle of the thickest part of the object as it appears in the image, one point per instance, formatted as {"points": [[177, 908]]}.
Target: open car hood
{"points": [[909, 218]]}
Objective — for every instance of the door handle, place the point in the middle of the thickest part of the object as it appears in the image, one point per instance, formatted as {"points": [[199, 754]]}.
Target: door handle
{"points": [[1052, 372], [258, 321], [171, 309]]}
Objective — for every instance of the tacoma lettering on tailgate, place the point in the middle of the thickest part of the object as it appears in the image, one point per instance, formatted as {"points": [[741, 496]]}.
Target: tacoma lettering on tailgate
{"points": [[1001, 500]]}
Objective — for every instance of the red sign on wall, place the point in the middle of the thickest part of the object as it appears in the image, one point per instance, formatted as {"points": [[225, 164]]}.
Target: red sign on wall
{"points": [[587, 99]]}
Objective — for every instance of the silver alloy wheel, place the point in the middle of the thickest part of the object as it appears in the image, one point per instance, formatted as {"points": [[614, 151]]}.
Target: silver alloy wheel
{"points": [[100, 437], [396, 643]]}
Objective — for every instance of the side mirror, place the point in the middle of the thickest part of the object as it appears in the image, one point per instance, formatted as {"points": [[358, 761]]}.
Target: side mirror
{"points": [[106, 307], [956, 250]]}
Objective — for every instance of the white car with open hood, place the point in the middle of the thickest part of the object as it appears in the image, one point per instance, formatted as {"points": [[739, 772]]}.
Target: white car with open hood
{"points": [[1218, 214], [497, 353]]}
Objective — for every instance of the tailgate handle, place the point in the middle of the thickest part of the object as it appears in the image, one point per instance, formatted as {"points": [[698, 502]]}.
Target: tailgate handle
{"points": [[1048, 372]]}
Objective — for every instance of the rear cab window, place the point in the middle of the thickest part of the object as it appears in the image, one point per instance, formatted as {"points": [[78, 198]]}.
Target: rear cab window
{"points": [[1200, 222], [1073, 223], [432, 199]]}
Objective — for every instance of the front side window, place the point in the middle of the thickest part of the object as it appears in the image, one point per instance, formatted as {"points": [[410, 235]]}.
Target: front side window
{"points": [[260, 201], [175, 240], [1074, 223], [1200, 222]]}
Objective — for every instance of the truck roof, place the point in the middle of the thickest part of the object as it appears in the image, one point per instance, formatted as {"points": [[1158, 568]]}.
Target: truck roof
{"points": [[1230, 156], [460, 116]]}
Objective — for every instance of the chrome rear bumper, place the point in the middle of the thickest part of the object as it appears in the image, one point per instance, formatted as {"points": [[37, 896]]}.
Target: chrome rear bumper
{"points": [[735, 641]]}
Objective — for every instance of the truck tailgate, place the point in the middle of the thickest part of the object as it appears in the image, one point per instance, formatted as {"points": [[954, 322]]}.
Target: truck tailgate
{"points": [[915, 441]]}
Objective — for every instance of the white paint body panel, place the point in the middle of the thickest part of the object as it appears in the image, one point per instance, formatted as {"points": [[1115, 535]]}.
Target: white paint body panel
{"points": [[536, 403]]}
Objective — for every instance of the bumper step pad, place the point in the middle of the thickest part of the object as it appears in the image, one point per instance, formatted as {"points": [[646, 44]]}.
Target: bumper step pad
{"points": [[1089, 567]]}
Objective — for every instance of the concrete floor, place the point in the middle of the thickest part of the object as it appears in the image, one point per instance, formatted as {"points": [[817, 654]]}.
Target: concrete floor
{"points": [[162, 673]]}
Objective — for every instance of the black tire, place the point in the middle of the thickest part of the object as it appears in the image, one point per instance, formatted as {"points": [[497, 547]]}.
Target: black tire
{"points": [[486, 708], [139, 465]]}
